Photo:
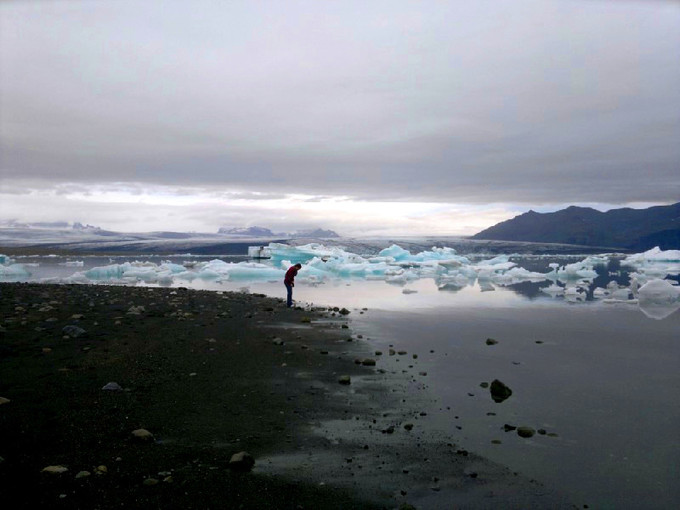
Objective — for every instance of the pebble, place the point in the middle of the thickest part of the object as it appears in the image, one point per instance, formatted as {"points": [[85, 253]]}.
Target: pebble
{"points": [[83, 474], [142, 434], [525, 431], [4, 400], [112, 386], [344, 379], [73, 331], [55, 470], [491, 341], [242, 461]]}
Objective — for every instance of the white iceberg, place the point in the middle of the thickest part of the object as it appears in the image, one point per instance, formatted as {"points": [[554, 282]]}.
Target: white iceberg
{"points": [[658, 299]]}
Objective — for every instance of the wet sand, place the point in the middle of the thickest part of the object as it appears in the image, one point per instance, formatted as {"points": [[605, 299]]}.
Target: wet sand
{"points": [[208, 375]]}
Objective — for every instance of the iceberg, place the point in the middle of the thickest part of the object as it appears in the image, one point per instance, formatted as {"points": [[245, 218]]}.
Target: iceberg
{"points": [[13, 271], [658, 299]]}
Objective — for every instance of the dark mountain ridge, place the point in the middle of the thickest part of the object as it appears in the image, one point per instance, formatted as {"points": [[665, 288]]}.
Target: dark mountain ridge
{"points": [[633, 229]]}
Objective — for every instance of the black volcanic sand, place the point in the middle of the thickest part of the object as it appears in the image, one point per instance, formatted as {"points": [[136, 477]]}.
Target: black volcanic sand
{"points": [[211, 374]]}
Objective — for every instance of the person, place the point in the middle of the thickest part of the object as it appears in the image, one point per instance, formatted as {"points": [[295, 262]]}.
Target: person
{"points": [[289, 282]]}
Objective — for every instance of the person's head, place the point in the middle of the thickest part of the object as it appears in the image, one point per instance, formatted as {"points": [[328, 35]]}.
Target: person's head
{"points": [[298, 265]]}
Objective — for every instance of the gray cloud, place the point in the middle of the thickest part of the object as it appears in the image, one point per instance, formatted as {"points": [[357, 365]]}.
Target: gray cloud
{"points": [[525, 102]]}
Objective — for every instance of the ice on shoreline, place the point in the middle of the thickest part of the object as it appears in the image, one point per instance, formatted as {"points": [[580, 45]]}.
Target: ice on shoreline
{"points": [[573, 282]]}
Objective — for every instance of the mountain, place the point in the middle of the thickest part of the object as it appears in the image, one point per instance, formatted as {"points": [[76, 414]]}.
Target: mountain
{"points": [[247, 231], [634, 229], [317, 233]]}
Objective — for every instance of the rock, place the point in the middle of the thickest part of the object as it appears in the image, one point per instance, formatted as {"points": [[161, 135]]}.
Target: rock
{"points": [[388, 430], [525, 431], [344, 379], [484, 384], [278, 341], [408, 426], [508, 427], [4, 400], [112, 386], [142, 435], [378, 353], [344, 311], [77, 316], [241, 461], [101, 470], [402, 353], [150, 481], [73, 331], [55, 470], [392, 352], [499, 391], [368, 362], [491, 341], [83, 474]]}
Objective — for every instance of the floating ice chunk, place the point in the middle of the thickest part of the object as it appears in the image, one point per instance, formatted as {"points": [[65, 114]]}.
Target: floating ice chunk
{"points": [[4, 259], [73, 263], [14, 271], [553, 290], [218, 269], [600, 293], [653, 255], [658, 299]]}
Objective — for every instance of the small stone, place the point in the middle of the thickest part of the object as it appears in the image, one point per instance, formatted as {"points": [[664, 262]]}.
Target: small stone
{"points": [[55, 470], [344, 311], [508, 427], [46, 350], [101, 470], [142, 435], [388, 430], [378, 353], [73, 331], [77, 316], [402, 353], [241, 461], [495, 441], [150, 481], [484, 384], [422, 373], [368, 362], [168, 479], [83, 474], [112, 386], [499, 391], [344, 379], [491, 341], [392, 352], [525, 431], [4, 400], [408, 426], [278, 341]]}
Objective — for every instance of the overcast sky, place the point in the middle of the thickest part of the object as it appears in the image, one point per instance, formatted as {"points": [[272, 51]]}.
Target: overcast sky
{"points": [[365, 117]]}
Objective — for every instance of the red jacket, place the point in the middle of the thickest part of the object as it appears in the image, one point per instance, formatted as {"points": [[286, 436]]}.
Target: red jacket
{"points": [[290, 275]]}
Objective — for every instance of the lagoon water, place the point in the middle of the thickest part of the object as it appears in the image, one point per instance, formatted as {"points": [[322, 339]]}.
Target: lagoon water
{"points": [[601, 379]]}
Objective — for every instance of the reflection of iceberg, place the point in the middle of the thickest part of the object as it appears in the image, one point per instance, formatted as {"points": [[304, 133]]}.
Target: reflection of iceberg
{"points": [[658, 299]]}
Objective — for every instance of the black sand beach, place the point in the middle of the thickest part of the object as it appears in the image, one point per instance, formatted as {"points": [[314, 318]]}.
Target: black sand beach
{"points": [[210, 375]]}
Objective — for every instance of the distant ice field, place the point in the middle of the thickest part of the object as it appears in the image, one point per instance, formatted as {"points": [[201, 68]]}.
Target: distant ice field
{"points": [[391, 278]]}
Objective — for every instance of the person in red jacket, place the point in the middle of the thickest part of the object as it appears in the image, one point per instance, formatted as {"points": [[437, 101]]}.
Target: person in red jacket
{"points": [[289, 282]]}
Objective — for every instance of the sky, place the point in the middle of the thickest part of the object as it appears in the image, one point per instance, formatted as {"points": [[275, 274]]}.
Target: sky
{"points": [[366, 117]]}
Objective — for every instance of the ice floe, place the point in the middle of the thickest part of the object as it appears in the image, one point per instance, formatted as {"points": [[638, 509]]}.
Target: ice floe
{"points": [[573, 282]]}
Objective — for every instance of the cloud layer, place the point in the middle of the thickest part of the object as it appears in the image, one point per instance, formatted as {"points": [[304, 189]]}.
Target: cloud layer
{"points": [[531, 102]]}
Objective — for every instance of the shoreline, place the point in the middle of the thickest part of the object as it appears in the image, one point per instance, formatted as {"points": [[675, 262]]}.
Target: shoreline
{"points": [[210, 374]]}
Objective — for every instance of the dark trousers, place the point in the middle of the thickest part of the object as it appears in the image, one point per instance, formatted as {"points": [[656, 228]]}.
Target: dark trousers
{"points": [[289, 298]]}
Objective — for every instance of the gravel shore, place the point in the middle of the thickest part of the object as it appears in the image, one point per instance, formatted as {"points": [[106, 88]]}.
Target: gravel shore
{"points": [[210, 375]]}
